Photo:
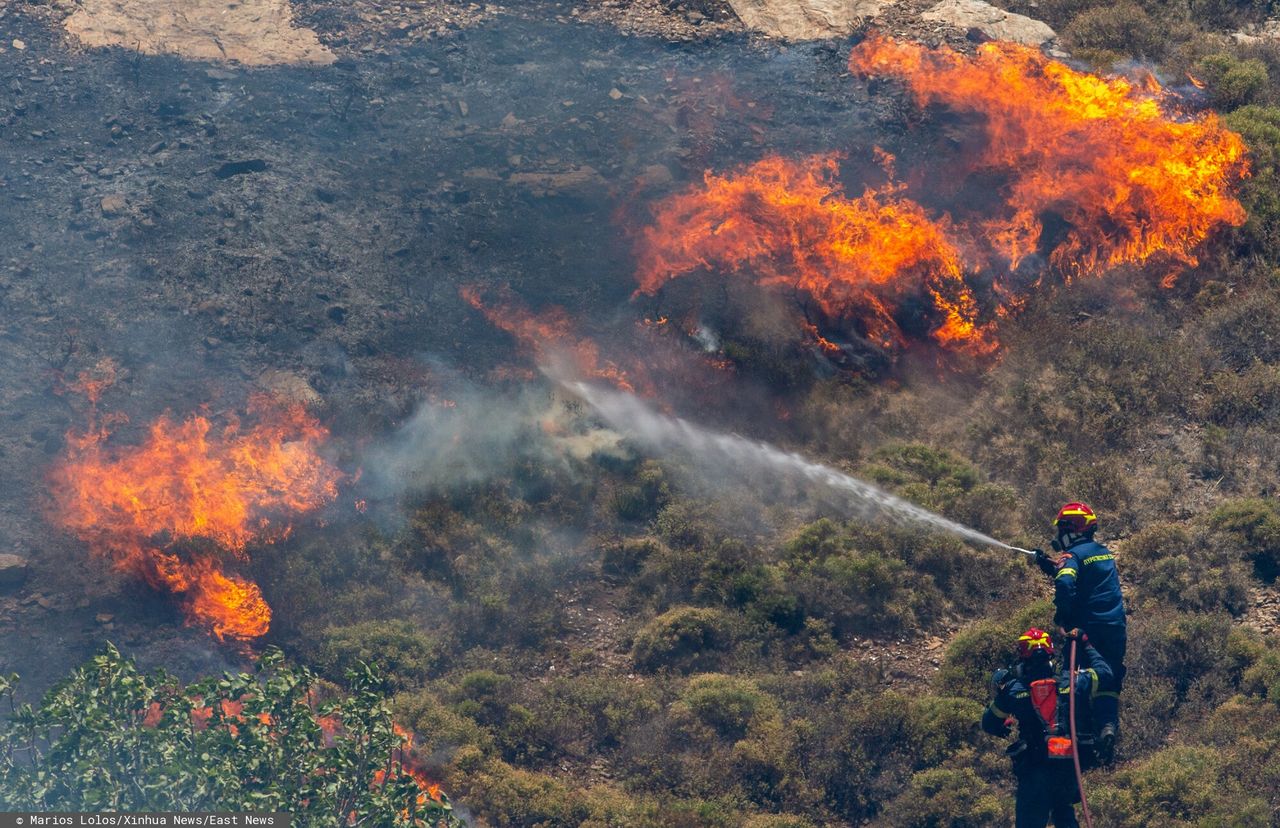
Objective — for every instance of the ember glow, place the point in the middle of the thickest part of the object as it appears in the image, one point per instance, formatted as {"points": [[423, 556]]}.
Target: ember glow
{"points": [[1132, 180], [787, 224], [549, 335], [175, 508]]}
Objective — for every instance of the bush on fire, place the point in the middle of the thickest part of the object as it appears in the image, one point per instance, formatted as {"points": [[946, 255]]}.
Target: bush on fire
{"points": [[109, 738]]}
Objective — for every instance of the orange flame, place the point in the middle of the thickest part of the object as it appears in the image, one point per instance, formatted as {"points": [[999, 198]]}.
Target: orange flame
{"points": [[141, 506], [549, 334], [1131, 179], [787, 224]]}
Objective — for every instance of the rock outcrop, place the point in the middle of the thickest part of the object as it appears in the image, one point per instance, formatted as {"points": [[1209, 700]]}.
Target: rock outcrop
{"points": [[252, 32], [13, 571], [993, 22], [806, 19]]}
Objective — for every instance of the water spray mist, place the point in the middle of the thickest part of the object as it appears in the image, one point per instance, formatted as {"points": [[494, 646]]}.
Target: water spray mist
{"points": [[628, 414]]}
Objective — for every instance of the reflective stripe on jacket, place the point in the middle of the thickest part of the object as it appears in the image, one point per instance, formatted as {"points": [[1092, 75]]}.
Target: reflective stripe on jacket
{"points": [[1087, 588]]}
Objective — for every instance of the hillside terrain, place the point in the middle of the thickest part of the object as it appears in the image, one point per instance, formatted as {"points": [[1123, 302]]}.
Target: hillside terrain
{"points": [[295, 302]]}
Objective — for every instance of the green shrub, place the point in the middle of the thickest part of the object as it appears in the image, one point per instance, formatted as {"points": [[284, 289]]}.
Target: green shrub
{"points": [[1254, 524], [510, 796], [1124, 28], [624, 558], [641, 499], [937, 726], [1190, 573], [493, 701], [109, 738], [586, 715], [948, 798], [777, 821], [683, 639], [867, 592], [944, 482], [1246, 733], [725, 703], [850, 576], [1226, 15], [441, 730], [1251, 396], [1232, 82], [1262, 679], [1260, 194], [1192, 656], [405, 654], [1179, 787]]}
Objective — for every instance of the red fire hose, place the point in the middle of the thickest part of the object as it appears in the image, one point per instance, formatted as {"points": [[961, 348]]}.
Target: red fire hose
{"points": [[1075, 743]]}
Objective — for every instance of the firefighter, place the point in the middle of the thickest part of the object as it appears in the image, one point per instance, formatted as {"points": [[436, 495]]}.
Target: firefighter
{"points": [[1087, 596], [1034, 696]]}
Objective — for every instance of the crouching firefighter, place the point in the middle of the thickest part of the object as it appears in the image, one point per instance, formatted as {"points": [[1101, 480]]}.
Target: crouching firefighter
{"points": [[1087, 596], [1034, 695]]}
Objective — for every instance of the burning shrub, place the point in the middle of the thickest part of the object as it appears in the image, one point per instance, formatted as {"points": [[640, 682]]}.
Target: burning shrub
{"points": [[146, 507], [786, 224], [1130, 181]]}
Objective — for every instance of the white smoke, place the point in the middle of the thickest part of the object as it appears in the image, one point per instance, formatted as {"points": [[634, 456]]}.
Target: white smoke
{"points": [[716, 454]]}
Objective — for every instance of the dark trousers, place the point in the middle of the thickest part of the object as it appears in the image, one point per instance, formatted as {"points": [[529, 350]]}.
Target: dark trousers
{"points": [[1110, 640], [1046, 789]]}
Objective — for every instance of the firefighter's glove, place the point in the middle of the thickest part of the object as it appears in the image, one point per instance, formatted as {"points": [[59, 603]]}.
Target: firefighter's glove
{"points": [[1047, 563], [999, 679]]}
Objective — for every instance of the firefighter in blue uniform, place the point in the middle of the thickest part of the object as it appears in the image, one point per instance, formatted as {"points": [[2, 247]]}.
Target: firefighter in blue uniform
{"points": [[1034, 696], [1087, 596]]}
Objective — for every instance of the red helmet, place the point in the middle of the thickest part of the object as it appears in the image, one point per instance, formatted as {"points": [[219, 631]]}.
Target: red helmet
{"points": [[1076, 518], [1034, 642]]}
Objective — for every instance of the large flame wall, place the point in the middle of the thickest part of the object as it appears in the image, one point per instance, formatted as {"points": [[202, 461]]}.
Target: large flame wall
{"points": [[1132, 181]]}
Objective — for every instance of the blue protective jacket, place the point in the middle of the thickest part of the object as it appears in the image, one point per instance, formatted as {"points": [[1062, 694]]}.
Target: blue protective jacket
{"points": [[1013, 701], [1086, 588]]}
